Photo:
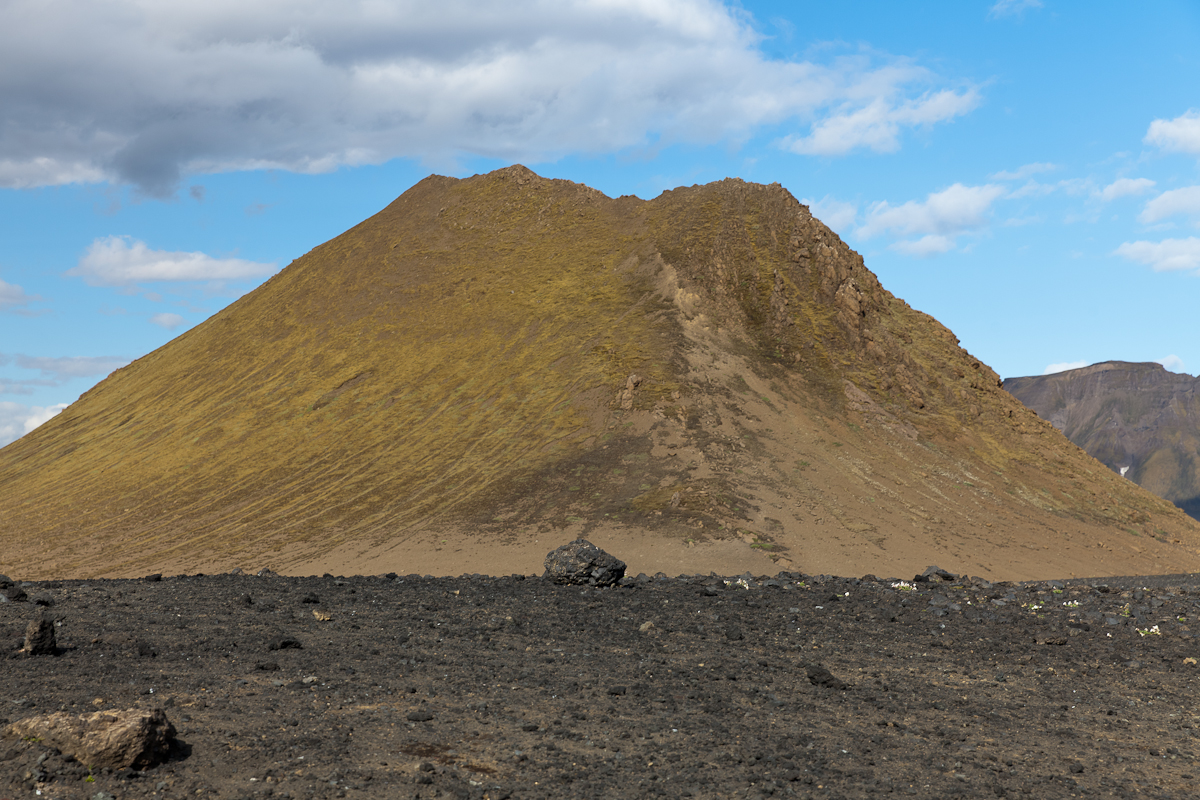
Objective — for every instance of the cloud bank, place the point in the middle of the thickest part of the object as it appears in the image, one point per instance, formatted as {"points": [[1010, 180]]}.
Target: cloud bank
{"points": [[143, 93]]}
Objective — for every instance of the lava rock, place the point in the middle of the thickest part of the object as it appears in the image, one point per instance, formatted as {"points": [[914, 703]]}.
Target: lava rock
{"points": [[40, 639], [105, 739], [581, 563], [934, 573], [285, 643], [819, 676]]}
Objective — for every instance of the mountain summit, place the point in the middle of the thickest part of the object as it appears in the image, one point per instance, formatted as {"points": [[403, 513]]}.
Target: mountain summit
{"points": [[493, 366], [1137, 419]]}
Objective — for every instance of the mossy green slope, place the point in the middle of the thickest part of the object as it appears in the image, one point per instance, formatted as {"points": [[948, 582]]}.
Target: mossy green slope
{"points": [[397, 371], [506, 353]]}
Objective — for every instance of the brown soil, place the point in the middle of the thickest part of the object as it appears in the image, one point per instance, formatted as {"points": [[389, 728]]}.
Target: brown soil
{"points": [[508, 687]]}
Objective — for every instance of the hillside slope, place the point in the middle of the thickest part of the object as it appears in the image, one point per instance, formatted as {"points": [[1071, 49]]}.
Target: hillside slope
{"points": [[491, 366], [1139, 418]]}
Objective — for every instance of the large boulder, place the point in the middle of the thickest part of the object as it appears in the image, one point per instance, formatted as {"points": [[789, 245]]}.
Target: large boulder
{"points": [[581, 563], [115, 739], [39, 638]]}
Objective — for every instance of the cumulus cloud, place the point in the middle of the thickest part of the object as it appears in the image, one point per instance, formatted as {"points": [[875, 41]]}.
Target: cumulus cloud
{"points": [[1064, 366], [877, 125], [13, 298], [1179, 135], [1024, 172], [1125, 187], [144, 93], [1011, 8], [123, 261], [1168, 204], [937, 220], [167, 320], [838, 215], [1172, 363], [16, 420], [1167, 255]]}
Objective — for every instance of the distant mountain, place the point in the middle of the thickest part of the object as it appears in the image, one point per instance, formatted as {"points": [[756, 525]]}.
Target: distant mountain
{"points": [[489, 367], [1137, 419]]}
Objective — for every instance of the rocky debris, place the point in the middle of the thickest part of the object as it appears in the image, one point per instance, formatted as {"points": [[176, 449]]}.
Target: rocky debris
{"points": [[284, 643], [104, 739], [625, 398], [10, 591], [581, 563], [894, 688], [819, 676], [40, 638], [934, 573]]}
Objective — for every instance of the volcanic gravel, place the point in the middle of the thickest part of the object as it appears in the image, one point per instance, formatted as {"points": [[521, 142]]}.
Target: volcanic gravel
{"points": [[497, 687]]}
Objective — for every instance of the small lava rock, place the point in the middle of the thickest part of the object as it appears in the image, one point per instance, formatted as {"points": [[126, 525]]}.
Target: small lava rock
{"points": [[581, 563]]}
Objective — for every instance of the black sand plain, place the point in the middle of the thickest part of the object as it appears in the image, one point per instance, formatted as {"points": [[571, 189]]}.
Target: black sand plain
{"points": [[703, 686]]}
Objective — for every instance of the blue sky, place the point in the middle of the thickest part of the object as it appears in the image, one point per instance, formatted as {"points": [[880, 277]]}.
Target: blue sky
{"points": [[1026, 172]]}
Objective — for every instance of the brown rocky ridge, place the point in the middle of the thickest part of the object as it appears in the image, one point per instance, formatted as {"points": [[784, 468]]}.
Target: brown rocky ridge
{"points": [[491, 367], [1137, 419]]}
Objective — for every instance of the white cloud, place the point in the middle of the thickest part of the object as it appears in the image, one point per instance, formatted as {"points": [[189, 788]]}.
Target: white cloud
{"points": [[938, 220], [1009, 8], [123, 261], [16, 420], [930, 245], [877, 125], [167, 320], [1168, 204], [1072, 186], [13, 298], [1064, 366], [1172, 363], [1032, 188], [65, 368], [1021, 173], [143, 93], [836, 214], [1125, 187], [1169, 254], [46, 171], [1179, 135]]}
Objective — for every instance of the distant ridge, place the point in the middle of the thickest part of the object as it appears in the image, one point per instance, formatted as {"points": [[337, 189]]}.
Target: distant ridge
{"points": [[491, 366], [1136, 417]]}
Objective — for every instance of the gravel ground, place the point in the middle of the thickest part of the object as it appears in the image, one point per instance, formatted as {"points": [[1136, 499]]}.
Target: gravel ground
{"points": [[495, 687]]}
